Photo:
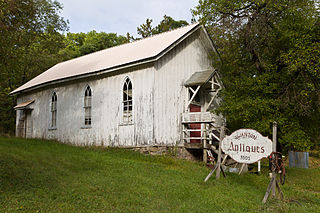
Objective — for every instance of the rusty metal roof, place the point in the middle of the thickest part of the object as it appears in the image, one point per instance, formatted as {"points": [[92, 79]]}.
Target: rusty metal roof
{"points": [[199, 78], [111, 59], [23, 105]]}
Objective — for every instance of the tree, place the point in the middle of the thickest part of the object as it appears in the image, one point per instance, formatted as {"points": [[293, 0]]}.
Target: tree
{"points": [[30, 41], [270, 65], [129, 38], [78, 44], [72, 42], [146, 30], [168, 23], [98, 41]]}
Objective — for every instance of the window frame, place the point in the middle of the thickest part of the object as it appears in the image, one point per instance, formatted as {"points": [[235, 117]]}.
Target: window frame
{"points": [[53, 111], [127, 102], [87, 107]]}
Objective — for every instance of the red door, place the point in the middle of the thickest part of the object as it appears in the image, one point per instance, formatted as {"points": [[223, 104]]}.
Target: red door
{"points": [[195, 126]]}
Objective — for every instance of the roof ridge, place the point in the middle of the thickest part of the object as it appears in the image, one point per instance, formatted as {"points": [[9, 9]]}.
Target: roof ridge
{"points": [[135, 41], [114, 57], [152, 36]]}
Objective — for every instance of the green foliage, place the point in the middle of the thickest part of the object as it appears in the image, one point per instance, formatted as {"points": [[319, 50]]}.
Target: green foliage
{"points": [[167, 24], [29, 42], [78, 44], [270, 55], [44, 176], [146, 30]]}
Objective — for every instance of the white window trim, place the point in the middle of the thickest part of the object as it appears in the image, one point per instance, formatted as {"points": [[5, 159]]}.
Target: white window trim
{"points": [[84, 125], [51, 127], [122, 120]]}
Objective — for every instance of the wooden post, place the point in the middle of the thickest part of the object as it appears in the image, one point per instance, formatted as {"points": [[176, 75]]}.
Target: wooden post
{"points": [[25, 123], [205, 156], [219, 152], [268, 190], [273, 185], [211, 172], [274, 149], [242, 167]]}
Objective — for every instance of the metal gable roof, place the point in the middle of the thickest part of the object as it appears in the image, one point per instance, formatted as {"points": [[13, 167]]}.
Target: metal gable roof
{"points": [[116, 57]]}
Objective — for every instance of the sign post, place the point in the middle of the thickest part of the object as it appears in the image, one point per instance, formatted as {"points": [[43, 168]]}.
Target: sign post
{"points": [[274, 149], [273, 183], [219, 153], [218, 165], [245, 146], [248, 146]]}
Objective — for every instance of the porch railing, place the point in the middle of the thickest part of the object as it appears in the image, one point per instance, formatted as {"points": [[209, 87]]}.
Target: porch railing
{"points": [[197, 117]]}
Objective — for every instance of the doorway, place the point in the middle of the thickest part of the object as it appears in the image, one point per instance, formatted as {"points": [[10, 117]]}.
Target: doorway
{"points": [[195, 127], [25, 124]]}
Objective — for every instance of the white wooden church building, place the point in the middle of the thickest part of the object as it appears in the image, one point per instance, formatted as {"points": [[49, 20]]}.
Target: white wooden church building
{"points": [[154, 91]]}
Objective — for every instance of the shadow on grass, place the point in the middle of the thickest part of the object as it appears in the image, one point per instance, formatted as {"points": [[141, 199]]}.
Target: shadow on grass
{"points": [[19, 175]]}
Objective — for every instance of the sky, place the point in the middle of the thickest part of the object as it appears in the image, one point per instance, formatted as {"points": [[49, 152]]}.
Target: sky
{"points": [[122, 16]]}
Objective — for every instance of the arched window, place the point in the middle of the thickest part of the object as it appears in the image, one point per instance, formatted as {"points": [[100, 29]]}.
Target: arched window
{"points": [[127, 101], [54, 110], [87, 106]]}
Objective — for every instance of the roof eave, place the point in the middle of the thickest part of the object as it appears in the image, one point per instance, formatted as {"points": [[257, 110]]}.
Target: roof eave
{"points": [[212, 44], [112, 69], [91, 74]]}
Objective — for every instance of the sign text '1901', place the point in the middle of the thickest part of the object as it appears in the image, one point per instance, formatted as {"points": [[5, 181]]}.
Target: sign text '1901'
{"points": [[244, 157]]}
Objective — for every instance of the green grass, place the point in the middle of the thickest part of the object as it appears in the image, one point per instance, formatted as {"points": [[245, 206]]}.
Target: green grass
{"points": [[45, 176]]}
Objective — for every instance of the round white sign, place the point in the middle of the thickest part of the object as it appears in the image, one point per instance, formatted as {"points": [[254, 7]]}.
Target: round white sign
{"points": [[246, 146]]}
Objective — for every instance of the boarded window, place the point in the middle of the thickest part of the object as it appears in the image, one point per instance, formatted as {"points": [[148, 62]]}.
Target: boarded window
{"points": [[54, 110], [127, 101], [87, 106]]}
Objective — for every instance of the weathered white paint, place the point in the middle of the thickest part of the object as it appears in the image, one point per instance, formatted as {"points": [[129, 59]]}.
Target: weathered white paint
{"points": [[247, 146], [159, 99], [172, 96]]}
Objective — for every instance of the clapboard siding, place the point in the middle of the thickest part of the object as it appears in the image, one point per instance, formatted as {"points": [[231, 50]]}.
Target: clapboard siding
{"points": [[170, 93], [107, 127]]}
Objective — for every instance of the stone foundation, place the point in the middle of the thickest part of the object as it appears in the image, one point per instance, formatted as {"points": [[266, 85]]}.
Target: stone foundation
{"points": [[175, 151]]}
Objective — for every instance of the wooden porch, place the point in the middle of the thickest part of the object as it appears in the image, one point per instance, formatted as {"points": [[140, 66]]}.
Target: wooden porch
{"points": [[209, 133], [201, 129]]}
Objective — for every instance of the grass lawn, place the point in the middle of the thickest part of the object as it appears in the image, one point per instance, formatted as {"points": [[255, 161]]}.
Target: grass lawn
{"points": [[45, 176]]}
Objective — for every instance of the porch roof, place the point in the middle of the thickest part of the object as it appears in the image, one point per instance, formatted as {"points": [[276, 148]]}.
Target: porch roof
{"points": [[199, 78], [24, 105]]}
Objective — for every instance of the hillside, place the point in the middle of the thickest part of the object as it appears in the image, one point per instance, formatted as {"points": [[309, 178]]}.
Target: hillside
{"points": [[46, 176]]}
